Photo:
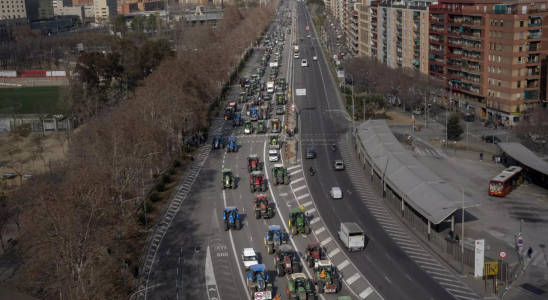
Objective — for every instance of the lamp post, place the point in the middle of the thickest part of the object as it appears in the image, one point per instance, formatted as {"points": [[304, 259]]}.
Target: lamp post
{"points": [[462, 227], [353, 106]]}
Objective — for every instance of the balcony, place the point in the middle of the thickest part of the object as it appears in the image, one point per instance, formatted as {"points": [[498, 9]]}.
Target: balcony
{"points": [[417, 47], [374, 28], [437, 18], [470, 44], [454, 41], [532, 83], [531, 95], [534, 36], [436, 69], [533, 71], [532, 60], [437, 38], [535, 21], [437, 28]]}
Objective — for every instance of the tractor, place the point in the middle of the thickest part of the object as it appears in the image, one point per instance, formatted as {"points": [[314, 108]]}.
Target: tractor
{"points": [[274, 142], [228, 179], [231, 145], [279, 175], [237, 119], [260, 72], [262, 207], [253, 163], [299, 287], [280, 99], [326, 277], [314, 253], [248, 127], [253, 114], [230, 109], [297, 222], [257, 182], [276, 125], [286, 260], [281, 83], [261, 127], [257, 282], [274, 237], [264, 111], [218, 141], [231, 218], [242, 97]]}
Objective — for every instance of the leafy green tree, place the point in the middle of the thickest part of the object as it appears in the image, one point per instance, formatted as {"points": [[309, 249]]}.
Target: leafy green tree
{"points": [[120, 24], [454, 130], [152, 24], [138, 23]]}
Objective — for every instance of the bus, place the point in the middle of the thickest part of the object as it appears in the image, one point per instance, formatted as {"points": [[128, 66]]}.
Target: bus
{"points": [[506, 181]]}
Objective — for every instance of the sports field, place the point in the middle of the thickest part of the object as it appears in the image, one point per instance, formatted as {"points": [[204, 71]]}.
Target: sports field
{"points": [[30, 100]]}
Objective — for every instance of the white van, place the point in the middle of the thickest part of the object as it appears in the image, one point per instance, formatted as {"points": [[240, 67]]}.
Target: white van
{"points": [[304, 63], [336, 193], [352, 236], [270, 87]]}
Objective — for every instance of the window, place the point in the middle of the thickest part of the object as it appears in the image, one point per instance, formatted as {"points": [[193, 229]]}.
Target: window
{"points": [[489, 69], [500, 58], [500, 34], [496, 22], [542, 6], [519, 72], [521, 35], [520, 48], [500, 47], [489, 80], [521, 23], [501, 23], [519, 83], [499, 82], [500, 70], [491, 22], [524, 9], [498, 94], [519, 97], [519, 60]]}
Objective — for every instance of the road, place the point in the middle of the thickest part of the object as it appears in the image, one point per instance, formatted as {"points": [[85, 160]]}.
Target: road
{"points": [[190, 239]]}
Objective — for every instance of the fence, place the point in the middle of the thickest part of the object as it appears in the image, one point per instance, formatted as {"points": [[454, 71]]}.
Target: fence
{"points": [[447, 248], [10, 123]]}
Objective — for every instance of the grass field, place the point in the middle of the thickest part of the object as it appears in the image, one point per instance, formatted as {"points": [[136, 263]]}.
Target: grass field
{"points": [[30, 100]]}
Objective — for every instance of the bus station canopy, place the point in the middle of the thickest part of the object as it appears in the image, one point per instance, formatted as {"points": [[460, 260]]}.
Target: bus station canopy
{"points": [[524, 156], [421, 189]]}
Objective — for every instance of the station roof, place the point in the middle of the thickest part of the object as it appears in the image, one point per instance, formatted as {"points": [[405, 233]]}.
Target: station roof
{"points": [[421, 189], [524, 156]]}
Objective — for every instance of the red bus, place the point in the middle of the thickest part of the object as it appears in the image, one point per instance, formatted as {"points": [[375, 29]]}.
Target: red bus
{"points": [[307, 28], [506, 181]]}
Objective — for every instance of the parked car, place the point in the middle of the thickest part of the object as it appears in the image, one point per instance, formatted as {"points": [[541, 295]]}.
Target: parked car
{"points": [[469, 118], [491, 139], [9, 176], [417, 111]]}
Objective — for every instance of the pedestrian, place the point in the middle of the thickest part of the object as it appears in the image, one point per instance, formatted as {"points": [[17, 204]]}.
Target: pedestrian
{"points": [[191, 157], [498, 160], [457, 238], [529, 252], [481, 156]]}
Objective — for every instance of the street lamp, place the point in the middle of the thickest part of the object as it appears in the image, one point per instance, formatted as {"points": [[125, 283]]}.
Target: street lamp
{"points": [[353, 106], [462, 225]]}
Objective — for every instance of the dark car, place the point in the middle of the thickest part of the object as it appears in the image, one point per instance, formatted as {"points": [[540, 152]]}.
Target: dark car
{"points": [[491, 139], [469, 118], [349, 81], [280, 110], [311, 48], [267, 98], [310, 153]]}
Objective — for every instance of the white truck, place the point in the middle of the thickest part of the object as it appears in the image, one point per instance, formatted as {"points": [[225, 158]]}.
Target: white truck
{"points": [[270, 87], [296, 49], [352, 236]]}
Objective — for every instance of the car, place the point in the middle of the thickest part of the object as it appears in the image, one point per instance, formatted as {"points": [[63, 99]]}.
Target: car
{"points": [[334, 56], [249, 257], [314, 58], [491, 139], [311, 48], [296, 56], [301, 40], [417, 111], [27, 176], [339, 57], [304, 63], [273, 155], [310, 153], [9, 176], [339, 164], [280, 110], [267, 98], [469, 118], [336, 193], [308, 35]]}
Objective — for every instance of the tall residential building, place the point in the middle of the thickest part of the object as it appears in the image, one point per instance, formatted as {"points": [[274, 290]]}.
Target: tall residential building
{"points": [[104, 10], [39, 9], [365, 34], [490, 55], [82, 2], [352, 32], [62, 10], [13, 9]]}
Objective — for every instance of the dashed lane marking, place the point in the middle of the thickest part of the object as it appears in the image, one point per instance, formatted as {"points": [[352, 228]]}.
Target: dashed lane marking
{"points": [[343, 264], [334, 252]]}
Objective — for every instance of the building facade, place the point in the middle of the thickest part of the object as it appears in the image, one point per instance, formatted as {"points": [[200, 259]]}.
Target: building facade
{"points": [[352, 32], [365, 35], [490, 55], [39, 9], [8, 25], [105, 10], [13, 9], [61, 10]]}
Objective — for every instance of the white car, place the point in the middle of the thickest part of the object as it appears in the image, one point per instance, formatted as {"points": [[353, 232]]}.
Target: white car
{"points": [[304, 63], [336, 193], [417, 111], [296, 56], [249, 257], [314, 58], [309, 35], [273, 155]]}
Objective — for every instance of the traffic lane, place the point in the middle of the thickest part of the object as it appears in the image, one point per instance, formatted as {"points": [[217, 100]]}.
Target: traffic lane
{"points": [[389, 258]]}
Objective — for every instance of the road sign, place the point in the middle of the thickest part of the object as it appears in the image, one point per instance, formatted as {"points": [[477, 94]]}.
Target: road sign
{"points": [[502, 254], [352, 106], [263, 295], [491, 268], [520, 241], [300, 92]]}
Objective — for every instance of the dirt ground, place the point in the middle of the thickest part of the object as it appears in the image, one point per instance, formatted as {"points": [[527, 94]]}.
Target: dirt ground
{"points": [[393, 118], [56, 145]]}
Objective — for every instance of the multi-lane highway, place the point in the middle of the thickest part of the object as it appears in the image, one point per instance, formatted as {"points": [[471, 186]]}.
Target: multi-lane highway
{"points": [[192, 257]]}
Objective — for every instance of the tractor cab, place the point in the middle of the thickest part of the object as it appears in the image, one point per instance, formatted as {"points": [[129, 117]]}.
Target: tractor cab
{"points": [[326, 277], [262, 207], [257, 280], [248, 90], [299, 287], [218, 141], [256, 182], [281, 83], [279, 174], [275, 125], [255, 78], [265, 111], [261, 127], [280, 98], [231, 145], [286, 251], [243, 81], [253, 114], [253, 163], [287, 260], [237, 119], [297, 221], [248, 127], [274, 142], [231, 218], [242, 97], [260, 71], [314, 253], [275, 234], [227, 179], [324, 267]]}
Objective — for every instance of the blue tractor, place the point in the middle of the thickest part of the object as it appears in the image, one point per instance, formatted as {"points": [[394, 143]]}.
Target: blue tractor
{"points": [[253, 114], [231, 145], [257, 281], [231, 218], [273, 238], [238, 119], [218, 141]]}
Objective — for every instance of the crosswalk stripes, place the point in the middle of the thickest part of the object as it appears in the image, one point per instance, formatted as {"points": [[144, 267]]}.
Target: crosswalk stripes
{"points": [[430, 152], [537, 258]]}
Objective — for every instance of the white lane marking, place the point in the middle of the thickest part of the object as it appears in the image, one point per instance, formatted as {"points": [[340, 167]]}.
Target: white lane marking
{"points": [[455, 286], [307, 203], [303, 196], [319, 230], [399, 235], [209, 274], [412, 248], [446, 279], [311, 210], [316, 219], [343, 264], [294, 167], [300, 188], [440, 274], [415, 253], [334, 252], [295, 172], [422, 262], [457, 291], [327, 240], [388, 279], [366, 293], [407, 244], [422, 258], [353, 278], [297, 180]]}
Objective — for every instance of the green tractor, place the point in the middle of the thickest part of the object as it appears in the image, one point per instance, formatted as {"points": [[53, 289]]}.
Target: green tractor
{"points": [[281, 83], [261, 127], [297, 222], [279, 175], [260, 72], [299, 287], [248, 127], [280, 99], [274, 142], [326, 278], [228, 179]]}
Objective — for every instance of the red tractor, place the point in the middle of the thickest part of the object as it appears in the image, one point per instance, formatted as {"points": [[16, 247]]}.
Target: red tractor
{"points": [[253, 163], [314, 253], [257, 182], [262, 207]]}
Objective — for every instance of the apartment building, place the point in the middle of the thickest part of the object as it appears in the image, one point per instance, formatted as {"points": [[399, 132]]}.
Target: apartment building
{"points": [[61, 10], [490, 56], [104, 10], [39, 9], [12, 9], [365, 34], [352, 31]]}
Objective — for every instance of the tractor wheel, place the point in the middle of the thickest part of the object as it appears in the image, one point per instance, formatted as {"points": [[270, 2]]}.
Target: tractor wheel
{"points": [[251, 188], [280, 270], [294, 230], [270, 213], [311, 262], [237, 225], [257, 214], [226, 226], [295, 267], [263, 187], [248, 169], [336, 284], [286, 180], [321, 288], [270, 248], [306, 229]]}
